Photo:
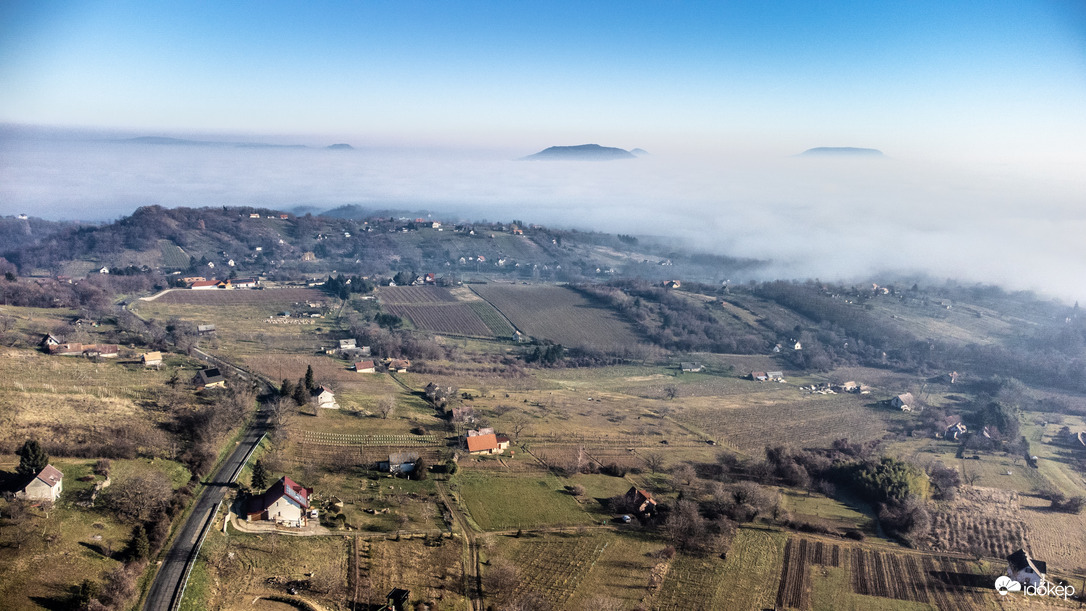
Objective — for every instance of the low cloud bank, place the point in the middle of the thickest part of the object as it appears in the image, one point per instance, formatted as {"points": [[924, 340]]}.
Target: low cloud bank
{"points": [[827, 218]]}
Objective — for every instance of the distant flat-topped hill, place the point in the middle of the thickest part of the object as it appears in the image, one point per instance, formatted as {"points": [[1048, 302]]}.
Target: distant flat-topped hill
{"points": [[841, 151], [340, 147], [582, 152]]}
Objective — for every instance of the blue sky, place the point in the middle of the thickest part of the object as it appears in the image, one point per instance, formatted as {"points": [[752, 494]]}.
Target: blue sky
{"points": [[994, 80]]}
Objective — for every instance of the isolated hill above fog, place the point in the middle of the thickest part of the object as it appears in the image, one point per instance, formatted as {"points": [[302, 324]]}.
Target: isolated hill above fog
{"points": [[841, 151], [581, 152]]}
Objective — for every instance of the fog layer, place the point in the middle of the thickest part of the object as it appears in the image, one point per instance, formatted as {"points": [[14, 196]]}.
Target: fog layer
{"points": [[827, 218]]}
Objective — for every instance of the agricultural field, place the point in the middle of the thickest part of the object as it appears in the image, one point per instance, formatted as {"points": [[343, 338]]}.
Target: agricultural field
{"points": [[280, 297], [504, 502], [747, 579], [173, 256], [235, 569], [830, 512], [560, 315], [449, 311], [78, 402], [803, 421], [429, 568]]}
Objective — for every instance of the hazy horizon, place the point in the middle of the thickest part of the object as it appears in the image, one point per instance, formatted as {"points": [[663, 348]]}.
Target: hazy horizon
{"points": [[977, 105]]}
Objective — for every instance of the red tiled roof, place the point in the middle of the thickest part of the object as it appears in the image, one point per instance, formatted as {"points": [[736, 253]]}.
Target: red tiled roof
{"points": [[51, 475], [482, 443]]}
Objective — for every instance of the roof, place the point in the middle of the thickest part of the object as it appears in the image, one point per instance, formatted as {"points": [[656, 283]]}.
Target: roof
{"points": [[211, 375], [482, 443], [50, 475], [320, 390], [402, 457], [203, 283], [1020, 560], [775, 374], [152, 356], [906, 398], [288, 488], [360, 365], [758, 374]]}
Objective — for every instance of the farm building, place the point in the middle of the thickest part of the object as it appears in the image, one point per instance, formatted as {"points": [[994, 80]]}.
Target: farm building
{"points": [[151, 359], [904, 402], [46, 486], [759, 376], [692, 367], [204, 285], [774, 375], [245, 283], [486, 443], [210, 377], [953, 428], [641, 501], [48, 341], [324, 398], [1026, 570], [849, 386], [285, 503], [348, 344], [398, 365], [191, 279], [396, 600], [205, 329], [365, 367], [399, 462]]}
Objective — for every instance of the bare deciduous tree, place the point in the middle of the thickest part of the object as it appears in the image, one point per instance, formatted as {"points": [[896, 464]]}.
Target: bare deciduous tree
{"points": [[653, 460], [517, 424], [386, 405]]}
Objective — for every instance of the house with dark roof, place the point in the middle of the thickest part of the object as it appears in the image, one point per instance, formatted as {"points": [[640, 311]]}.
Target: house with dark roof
{"points": [[397, 600], [46, 486], [953, 428], [399, 462], [1025, 570], [286, 503], [692, 367], [49, 341], [324, 398], [210, 377], [641, 501]]}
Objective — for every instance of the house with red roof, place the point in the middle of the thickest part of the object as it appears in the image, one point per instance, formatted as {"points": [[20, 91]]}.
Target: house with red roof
{"points": [[286, 503], [486, 441]]}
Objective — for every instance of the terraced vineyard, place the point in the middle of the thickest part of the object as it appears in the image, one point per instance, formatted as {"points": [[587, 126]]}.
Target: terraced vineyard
{"points": [[439, 310], [554, 569], [345, 440], [560, 315]]}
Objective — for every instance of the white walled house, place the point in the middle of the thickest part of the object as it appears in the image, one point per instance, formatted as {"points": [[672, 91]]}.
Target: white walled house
{"points": [[1026, 570], [286, 503], [46, 486]]}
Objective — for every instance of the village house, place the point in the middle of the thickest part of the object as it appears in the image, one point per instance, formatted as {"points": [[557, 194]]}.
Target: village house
{"points": [[286, 503], [254, 215], [324, 398], [398, 365], [46, 486], [641, 501], [105, 351], [365, 367], [66, 349], [151, 359], [759, 376], [48, 342], [691, 367], [245, 283], [775, 376], [485, 441], [210, 377], [953, 428], [204, 285], [205, 329], [1026, 570], [904, 402], [399, 462], [849, 386], [347, 344]]}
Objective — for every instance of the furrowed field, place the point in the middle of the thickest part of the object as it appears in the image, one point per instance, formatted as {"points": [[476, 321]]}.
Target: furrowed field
{"points": [[558, 314], [441, 310]]}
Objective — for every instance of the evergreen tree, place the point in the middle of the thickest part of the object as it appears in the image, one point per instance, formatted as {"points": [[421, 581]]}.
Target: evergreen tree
{"points": [[139, 547], [420, 469], [88, 591], [32, 458], [287, 388], [309, 383], [260, 476], [301, 396]]}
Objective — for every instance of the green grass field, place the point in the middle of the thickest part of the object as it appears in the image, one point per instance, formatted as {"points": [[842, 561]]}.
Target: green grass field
{"points": [[502, 502]]}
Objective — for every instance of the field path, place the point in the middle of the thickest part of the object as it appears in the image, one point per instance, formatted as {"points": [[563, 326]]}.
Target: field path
{"points": [[471, 566]]}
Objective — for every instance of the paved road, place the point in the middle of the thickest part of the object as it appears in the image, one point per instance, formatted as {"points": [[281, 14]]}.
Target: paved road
{"points": [[169, 582]]}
